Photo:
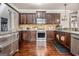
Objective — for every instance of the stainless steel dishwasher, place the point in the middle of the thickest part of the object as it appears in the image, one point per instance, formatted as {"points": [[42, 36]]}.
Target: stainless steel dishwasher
{"points": [[75, 44]]}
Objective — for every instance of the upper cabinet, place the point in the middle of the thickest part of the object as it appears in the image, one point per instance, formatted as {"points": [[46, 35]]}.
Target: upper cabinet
{"points": [[22, 19], [52, 18], [41, 14], [28, 18], [40, 17], [31, 18]]}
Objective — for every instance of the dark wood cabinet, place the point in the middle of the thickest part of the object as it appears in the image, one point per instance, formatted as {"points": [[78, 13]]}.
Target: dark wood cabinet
{"points": [[22, 19], [50, 35], [68, 40], [49, 18], [31, 18], [27, 36], [52, 18], [27, 18], [33, 35], [64, 38], [57, 18]]}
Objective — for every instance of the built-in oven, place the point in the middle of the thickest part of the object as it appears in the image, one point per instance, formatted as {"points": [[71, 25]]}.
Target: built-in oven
{"points": [[41, 35], [4, 24]]}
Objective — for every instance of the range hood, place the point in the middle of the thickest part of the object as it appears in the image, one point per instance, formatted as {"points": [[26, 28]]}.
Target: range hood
{"points": [[41, 17]]}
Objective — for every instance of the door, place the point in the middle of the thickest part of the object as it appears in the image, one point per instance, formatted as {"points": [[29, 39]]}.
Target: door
{"points": [[22, 19]]}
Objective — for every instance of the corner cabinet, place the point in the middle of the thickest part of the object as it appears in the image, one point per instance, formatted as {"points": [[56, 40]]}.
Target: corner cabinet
{"points": [[64, 38]]}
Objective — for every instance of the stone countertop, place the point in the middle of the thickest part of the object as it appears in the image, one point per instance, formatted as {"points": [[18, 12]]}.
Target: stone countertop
{"points": [[9, 32], [8, 39], [69, 31], [7, 42], [36, 30]]}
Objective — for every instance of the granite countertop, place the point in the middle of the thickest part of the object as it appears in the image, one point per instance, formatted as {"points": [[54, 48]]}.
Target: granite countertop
{"points": [[7, 42], [8, 39], [69, 31], [37, 30], [9, 32]]}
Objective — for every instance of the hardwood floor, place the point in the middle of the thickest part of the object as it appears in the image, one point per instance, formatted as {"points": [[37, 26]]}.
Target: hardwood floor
{"points": [[39, 49]]}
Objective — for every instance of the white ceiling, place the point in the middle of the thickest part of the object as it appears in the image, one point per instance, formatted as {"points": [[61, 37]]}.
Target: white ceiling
{"points": [[55, 6]]}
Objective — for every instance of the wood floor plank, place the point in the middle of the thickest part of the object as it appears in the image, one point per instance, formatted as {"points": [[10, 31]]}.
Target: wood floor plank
{"points": [[31, 49]]}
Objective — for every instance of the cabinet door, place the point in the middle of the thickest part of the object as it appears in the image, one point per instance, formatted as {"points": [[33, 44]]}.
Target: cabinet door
{"points": [[23, 19], [68, 40], [34, 18], [48, 18], [52, 18], [65, 39], [57, 18], [26, 35], [33, 35], [50, 35], [14, 47], [29, 18]]}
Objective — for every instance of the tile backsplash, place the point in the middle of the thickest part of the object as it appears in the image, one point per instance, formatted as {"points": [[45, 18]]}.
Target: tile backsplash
{"points": [[35, 27]]}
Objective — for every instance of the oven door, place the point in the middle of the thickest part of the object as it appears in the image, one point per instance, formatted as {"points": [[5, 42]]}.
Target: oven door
{"points": [[41, 35]]}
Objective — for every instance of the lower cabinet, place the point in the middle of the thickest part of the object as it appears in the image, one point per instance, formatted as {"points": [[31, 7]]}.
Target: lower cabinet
{"points": [[14, 47], [33, 35], [50, 35], [5, 51], [10, 46], [28, 35], [64, 38], [10, 49]]}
